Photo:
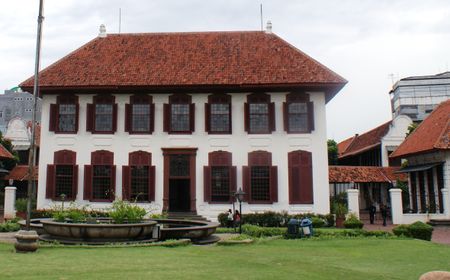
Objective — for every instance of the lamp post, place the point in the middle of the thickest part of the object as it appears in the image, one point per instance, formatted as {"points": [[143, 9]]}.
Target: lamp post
{"points": [[240, 197]]}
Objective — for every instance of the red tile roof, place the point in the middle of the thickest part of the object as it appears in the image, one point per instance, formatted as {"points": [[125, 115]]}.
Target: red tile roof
{"points": [[363, 142], [432, 134], [20, 173], [4, 153], [158, 60], [364, 174]]}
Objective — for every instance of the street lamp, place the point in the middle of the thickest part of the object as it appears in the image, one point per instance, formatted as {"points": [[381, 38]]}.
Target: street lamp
{"points": [[239, 195]]}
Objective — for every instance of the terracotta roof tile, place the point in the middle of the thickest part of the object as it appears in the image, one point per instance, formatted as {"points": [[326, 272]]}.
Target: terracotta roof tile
{"points": [[4, 153], [186, 59], [20, 173], [363, 142], [342, 146], [432, 134], [364, 174]]}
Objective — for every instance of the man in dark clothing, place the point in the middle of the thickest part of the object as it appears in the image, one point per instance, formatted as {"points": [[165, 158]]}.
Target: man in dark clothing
{"points": [[372, 211], [383, 210]]}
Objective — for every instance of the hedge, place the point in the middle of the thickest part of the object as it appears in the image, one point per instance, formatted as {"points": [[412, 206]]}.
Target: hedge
{"points": [[417, 230], [353, 222]]}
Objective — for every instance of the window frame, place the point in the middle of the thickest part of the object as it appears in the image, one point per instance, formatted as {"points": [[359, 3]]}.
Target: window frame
{"points": [[219, 159], [135, 100], [259, 98], [217, 98], [259, 159], [138, 159], [179, 98], [99, 158], [91, 114], [55, 109], [298, 97], [61, 158]]}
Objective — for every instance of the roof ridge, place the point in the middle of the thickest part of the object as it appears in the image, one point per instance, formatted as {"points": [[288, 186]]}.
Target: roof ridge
{"points": [[183, 33]]}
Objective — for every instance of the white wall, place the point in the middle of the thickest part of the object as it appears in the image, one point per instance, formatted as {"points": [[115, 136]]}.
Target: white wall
{"points": [[239, 143], [395, 136]]}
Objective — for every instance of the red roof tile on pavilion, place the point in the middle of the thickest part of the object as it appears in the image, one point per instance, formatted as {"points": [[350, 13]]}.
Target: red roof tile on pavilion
{"points": [[20, 173], [158, 60], [364, 174], [432, 134], [363, 142], [4, 153]]}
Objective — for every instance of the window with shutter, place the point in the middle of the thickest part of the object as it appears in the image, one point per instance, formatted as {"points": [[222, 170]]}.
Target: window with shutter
{"points": [[139, 115], [218, 114], [259, 114], [64, 114], [62, 176], [100, 176], [139, 177], [298, 113], [219, 178], [102, 115], [260, 178], [179, 114], [300, 177]]}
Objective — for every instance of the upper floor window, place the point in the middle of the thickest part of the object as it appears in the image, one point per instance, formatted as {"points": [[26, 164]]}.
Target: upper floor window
{"points": [[260, 179], [219, 178], [102, 115], [62, 176], [100, 177], [139, 115], [138, 177], [64, 114], [218, 114], [179, 114], [298, 113], [259, 114]]}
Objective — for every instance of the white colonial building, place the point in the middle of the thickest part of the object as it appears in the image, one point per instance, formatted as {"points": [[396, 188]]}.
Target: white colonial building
{"points": [[180, 121]]}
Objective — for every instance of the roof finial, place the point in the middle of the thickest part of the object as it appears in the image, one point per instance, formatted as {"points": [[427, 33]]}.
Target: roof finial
{"points": [[102, 33], [269, 27]]}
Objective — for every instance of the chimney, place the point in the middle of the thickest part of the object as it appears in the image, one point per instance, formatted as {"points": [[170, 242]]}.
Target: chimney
{"points": [[102, 33], [269, 27]]}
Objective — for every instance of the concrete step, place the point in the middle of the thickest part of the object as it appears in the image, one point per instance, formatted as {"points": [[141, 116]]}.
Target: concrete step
{"points": [[445, 223], [186, 216]]}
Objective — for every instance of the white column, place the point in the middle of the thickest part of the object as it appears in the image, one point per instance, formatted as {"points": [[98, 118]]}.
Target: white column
{"points": [[10, 203], [353, 201], [446, 201], [396, 206]]}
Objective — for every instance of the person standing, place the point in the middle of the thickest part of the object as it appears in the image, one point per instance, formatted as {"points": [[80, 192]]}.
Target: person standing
{"points": [[372, 211], [383, 210], [237, 218], [230, 218]]}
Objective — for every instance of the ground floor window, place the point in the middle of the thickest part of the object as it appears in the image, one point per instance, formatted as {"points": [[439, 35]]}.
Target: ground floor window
{"points": [[219, 178]]}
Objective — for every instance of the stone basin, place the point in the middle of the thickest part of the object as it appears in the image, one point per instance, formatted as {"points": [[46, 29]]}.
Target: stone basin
{"points": [[178, 229]]}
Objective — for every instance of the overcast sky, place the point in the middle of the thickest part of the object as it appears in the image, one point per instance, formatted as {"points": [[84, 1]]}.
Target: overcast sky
{"points": [[363, 41]]}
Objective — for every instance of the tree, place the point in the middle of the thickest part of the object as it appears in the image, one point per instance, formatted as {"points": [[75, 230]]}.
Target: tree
{"points": [[332, 152], [411, 128]]}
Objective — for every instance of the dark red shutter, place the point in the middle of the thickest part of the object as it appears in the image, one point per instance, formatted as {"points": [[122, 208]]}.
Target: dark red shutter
{"points": [[285, 117], [294, 185], [90, 117], [114, 119], [112, 188], [246, 117], [128, 117], [246, 182], [50, 190], [311, 116], [126, 188], [87, 193], [77, 116], [207, 117], [75, 182], [166, 121], [207, 183], [306, 178], [192, 116], [151, 183], [233, 181], [273, 184], [53, 117], [152, 117], [271, 116]]}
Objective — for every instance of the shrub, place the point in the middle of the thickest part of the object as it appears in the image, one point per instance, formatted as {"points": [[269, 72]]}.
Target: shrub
{"points": [[222, 218], [402, 230], [353, 222], [9, 226], [122, 211], [21, 205], [417, 230], [329, 218], [317, 222], [256, 231]]}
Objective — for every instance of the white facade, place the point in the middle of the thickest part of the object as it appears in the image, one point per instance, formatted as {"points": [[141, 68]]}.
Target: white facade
{"points": [[239, 143], [394, 137]]}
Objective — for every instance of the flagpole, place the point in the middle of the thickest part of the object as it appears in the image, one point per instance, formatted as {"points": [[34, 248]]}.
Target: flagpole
{"points": [[31, 154]]}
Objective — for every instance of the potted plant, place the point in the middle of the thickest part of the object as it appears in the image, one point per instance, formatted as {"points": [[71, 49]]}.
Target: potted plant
{"points": [[340, 210]]}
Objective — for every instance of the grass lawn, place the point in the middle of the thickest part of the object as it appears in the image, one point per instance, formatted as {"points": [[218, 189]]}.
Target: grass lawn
{"points": [[368, 258]]}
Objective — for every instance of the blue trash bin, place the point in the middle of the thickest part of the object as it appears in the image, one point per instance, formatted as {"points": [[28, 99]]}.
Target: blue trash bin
{"points": [[293, 226], [306, 227]]}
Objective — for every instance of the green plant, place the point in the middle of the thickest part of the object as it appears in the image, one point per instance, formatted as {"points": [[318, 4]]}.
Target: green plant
{"points": [[353, 222], [21, 205], [340, 209], [256, 231], [401, 230], [417, 230], [317, 222], [329, 218], [222, 219], [123, 211], [9, 226]]}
